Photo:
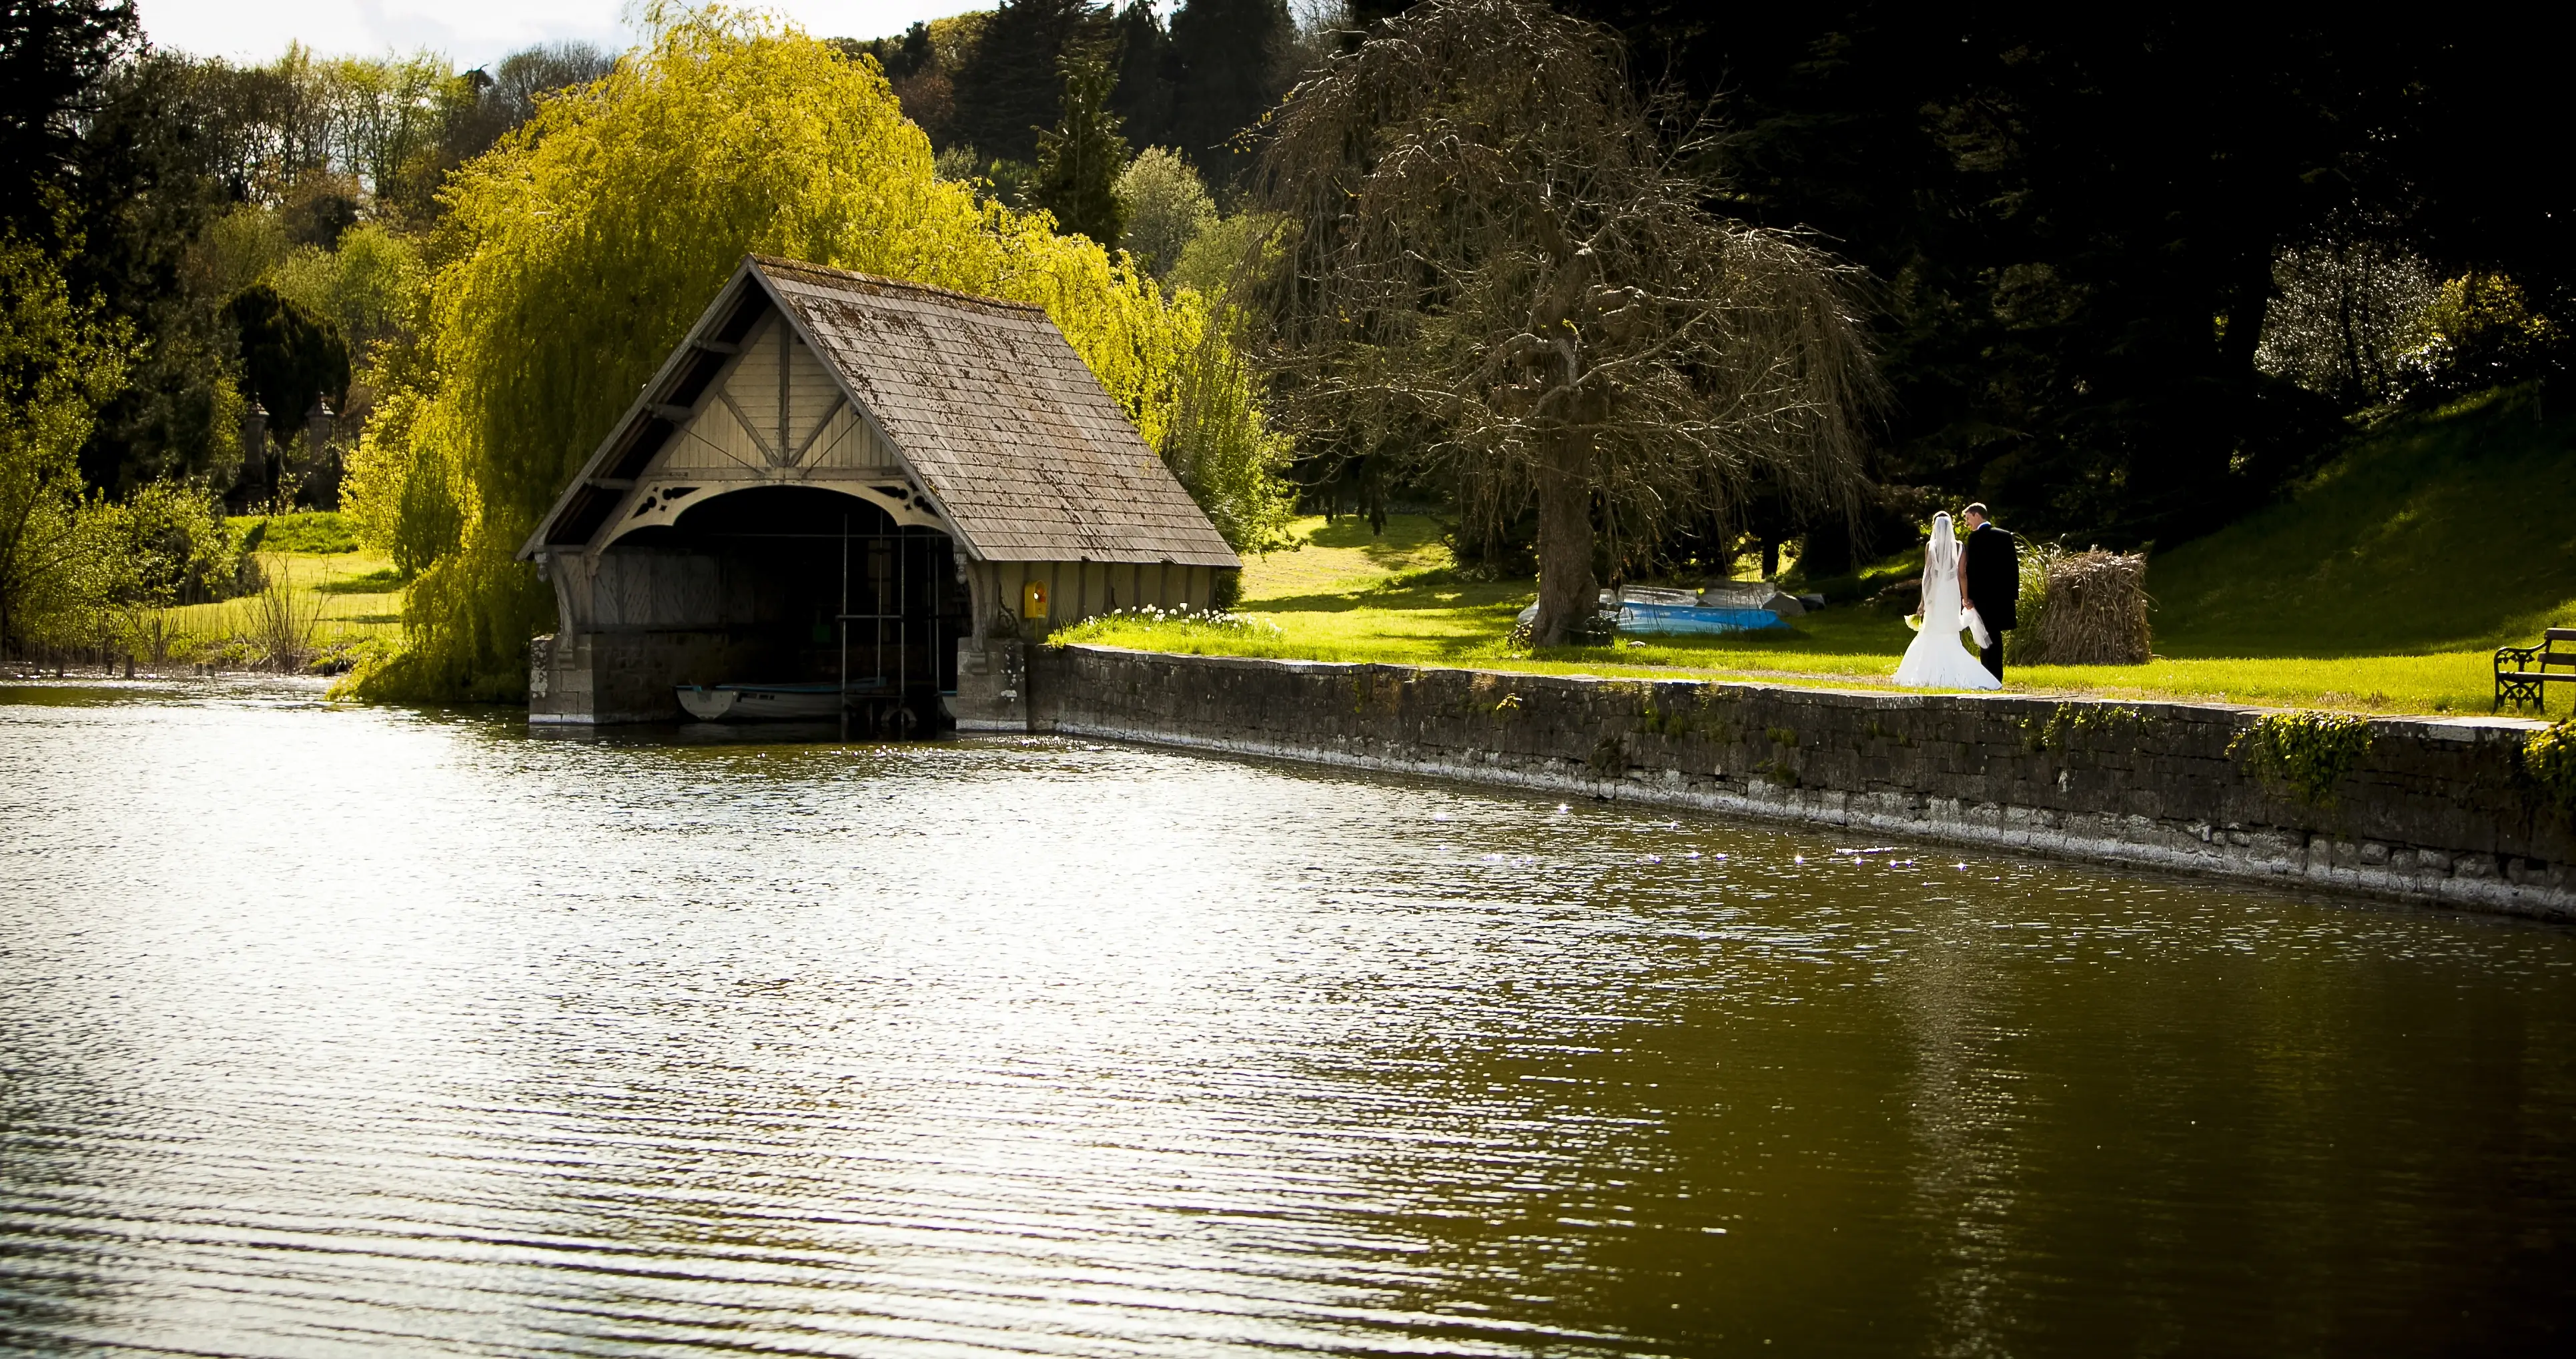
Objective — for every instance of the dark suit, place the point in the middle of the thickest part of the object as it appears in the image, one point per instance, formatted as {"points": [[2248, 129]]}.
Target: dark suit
{"points": [[1994, 586]]}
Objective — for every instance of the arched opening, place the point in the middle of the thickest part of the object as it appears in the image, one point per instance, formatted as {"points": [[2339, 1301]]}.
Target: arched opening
{"points": [[824, 606]]}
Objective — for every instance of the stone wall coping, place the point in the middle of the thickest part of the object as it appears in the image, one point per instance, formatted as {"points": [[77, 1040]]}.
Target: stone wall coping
{"points": [[2466, 727]]}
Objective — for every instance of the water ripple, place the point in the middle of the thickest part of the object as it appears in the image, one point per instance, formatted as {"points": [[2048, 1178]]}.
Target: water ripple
{"points": [[334, 1032]]}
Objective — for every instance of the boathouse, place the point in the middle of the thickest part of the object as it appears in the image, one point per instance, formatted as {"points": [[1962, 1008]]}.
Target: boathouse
{"points": [[848, 491]]}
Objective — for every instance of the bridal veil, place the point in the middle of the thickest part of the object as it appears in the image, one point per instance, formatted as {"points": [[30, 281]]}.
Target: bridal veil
{"points": [[1936, 660]]}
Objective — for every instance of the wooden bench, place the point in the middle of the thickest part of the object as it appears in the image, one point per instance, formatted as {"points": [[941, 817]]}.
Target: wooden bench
{"points": [[2524, 673]]}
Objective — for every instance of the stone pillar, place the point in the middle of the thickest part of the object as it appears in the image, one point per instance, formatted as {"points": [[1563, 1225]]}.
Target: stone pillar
{"points": [[562, 687], [992, 684], [254, 441], [321, 471], [992, 664], [560, 683]]}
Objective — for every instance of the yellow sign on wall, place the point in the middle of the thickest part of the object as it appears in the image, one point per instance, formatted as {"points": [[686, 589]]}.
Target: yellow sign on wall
{"points": [[1033, 603]]}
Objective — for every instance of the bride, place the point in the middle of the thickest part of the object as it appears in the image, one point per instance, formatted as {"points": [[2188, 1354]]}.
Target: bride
{"points": [[1936, 660]]}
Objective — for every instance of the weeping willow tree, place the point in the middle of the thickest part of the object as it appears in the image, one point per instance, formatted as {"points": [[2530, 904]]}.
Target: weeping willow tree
{"points": [[578, 252], [1494, 261]]}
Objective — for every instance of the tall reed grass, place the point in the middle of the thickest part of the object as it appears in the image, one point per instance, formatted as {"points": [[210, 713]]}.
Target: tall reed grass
{"points": [[282, 620]]}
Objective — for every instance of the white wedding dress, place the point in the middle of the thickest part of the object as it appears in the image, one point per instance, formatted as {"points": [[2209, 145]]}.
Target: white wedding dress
{"points": [[1936, 660]]}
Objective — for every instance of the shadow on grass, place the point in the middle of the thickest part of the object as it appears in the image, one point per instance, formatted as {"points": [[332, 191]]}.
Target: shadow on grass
{"points": [[1405, 537], [379, 582], [1442, 594]]}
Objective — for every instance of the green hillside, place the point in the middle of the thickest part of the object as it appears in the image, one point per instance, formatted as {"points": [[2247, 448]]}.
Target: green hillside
{"points": [[2449, 531]]}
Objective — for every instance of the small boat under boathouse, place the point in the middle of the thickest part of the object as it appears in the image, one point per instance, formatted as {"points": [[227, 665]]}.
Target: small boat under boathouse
{"points": [[847, 497]]}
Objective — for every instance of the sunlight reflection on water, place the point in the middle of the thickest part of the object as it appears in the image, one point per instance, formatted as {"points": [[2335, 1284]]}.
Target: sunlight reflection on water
{"points": [[333, 1030]]}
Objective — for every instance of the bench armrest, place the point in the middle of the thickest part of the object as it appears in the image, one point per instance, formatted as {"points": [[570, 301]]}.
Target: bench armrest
{"points": [[2519, 655]]}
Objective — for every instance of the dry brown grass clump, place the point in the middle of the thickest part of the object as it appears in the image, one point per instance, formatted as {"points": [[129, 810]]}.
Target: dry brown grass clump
{"points": [[2094, 611], [282, 621]]}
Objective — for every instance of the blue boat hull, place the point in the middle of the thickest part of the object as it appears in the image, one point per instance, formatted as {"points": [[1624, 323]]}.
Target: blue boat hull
{"points": [[1678, 620]]}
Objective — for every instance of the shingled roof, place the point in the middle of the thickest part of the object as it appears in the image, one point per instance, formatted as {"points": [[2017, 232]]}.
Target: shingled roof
{"points": [[1013, 439]]}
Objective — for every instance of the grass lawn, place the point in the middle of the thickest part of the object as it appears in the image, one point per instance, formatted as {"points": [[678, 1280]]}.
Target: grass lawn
{"points": [[2382, 585], [352, 596]]}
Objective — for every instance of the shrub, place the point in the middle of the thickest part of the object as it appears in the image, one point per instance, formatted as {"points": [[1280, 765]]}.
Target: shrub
{"points": [[170, 545], [2477, 331], [165, 544], [282, 622]]}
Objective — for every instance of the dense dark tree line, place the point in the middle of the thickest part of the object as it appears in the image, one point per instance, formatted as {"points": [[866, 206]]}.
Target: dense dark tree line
{"points": [[1000, 76], [2080, 220], [1010, 84]]}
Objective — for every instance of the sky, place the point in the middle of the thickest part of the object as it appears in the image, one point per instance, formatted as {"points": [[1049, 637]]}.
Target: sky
{"points": [[472, 32]]}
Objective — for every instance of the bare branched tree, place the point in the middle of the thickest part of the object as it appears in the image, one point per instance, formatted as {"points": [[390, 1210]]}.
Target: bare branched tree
{"points": [[1491, 256]]}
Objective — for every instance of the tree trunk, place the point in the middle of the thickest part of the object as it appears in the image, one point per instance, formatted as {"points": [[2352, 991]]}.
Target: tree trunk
{"points": [[1567, 597], [2245, 301]]}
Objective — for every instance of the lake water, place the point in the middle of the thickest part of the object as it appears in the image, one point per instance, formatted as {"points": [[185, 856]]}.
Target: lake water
{"points": [[333, 1031]]}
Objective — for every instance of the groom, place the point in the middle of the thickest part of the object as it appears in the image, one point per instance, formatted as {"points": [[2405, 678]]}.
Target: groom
{"points": [[1994, 582]]}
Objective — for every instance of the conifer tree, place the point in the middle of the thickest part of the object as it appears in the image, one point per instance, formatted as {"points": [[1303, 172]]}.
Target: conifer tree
{"points": [[1143, 52], [1080, 157]]}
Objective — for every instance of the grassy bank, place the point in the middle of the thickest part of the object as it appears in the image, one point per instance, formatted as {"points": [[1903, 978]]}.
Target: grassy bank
{"points": [[350, 597], [2383, 584], [2444, 533], [335, 594]]}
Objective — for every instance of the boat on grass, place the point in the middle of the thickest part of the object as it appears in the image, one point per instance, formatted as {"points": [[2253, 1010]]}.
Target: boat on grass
{"points": [[1644, 611], [1687, 619]]}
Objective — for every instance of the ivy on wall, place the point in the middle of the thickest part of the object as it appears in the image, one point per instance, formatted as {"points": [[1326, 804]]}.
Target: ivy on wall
{"points": [[2306, 752], [2549, 758]]}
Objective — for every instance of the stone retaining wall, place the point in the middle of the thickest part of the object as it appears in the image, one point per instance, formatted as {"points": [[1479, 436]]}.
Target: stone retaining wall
{"points": [[2435, 811]]}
